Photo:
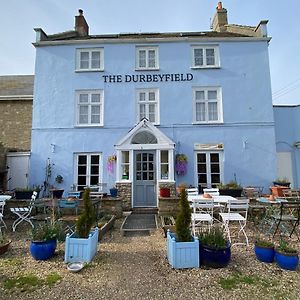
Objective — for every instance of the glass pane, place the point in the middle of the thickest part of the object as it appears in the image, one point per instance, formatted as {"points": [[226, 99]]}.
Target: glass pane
{"points": [[210, 57], [138, 166], [151, 59], [95, 118], [151, 175], [139, 157], [202, 178], [82, 159], [215, 168], [83, 98], [145, 167], [151, 96], [200, 111], [164, 171], [95, 98], [215, 178], [151, 157], [95, 60], [81, 170], [152, 112], [142, 58], [198, 56], [201, 168], [145, 176], [145, 156], [125, 156], [142, 96], [151, 166], [94, 180], [138, 176], [142, 111], [201, 157], [212, 111], [164, 156], [211, 95], [214, 157], [200, 95], [95, 170], [81, 180], [84, 60]]}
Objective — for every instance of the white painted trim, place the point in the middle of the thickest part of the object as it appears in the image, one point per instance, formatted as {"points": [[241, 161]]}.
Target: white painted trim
{"points": [[12, 154], [152, 40], [16, 97]]}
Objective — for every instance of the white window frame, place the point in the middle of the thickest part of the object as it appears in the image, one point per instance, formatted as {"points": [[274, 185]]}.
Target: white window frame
{"points": [[208, 165], [88, 175], [147, 102], [205, 65], [90, 68], [146, 49], [89, 104], [206, 101]]}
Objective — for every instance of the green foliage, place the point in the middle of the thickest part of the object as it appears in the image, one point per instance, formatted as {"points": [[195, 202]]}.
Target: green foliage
{"points": [[264, 243], [230, 185], [59, 179], [282, 180], [285, 248], [183, 219], [181, 157], [87, 218], [46, 231], [30, 282], [213, 238]]}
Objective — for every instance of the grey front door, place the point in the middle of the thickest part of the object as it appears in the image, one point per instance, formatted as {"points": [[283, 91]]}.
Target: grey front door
{"points": [[144, 179]]}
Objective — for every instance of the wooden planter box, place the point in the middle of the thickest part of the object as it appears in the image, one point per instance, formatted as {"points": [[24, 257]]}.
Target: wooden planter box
{"points": [[182, 255], [106, 227], [80, 249]]}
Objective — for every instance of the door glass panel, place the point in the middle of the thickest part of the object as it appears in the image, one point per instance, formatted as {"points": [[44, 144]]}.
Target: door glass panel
{"points": [[139, 157], [138, 176], [151, 157], [201, 168], [138, 166], [215, 178], [151, 175], [151, 166], [94, 180], [144, 166], [145, 177], [201, 157], [145, 156], [214, 157], [215, 168]]}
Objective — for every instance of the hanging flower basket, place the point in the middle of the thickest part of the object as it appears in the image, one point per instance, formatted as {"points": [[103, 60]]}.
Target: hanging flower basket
{"points": [[110, 163], [181, 164]]}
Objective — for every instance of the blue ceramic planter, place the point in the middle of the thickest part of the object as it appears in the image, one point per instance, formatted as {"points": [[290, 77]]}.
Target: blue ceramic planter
{"points": [[287, 261], [43, 250], [113, 192], [264, 254], [215, 258]]}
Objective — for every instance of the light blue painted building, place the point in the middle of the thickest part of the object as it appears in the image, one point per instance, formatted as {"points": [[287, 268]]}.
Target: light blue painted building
{"points": [[119, 108]]}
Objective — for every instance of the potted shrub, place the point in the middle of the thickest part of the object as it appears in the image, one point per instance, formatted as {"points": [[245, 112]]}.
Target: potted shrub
{"points": [[182, 247], [286, 257], [4, 243], [232, 188], [81, 246], [113, 192], [282, 182], [264, 250], [215, 249], [44, 240]]}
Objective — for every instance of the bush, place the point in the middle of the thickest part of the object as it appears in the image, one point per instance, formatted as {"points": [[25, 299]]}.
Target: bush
{"points": [[285, 248], [183, 220], [87, 218], [264, 243], [213, 238], [47, 231]]}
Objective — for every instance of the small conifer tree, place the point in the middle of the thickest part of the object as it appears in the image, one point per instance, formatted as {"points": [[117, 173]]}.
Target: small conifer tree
{"points": [[87, 218], [183, 219]]}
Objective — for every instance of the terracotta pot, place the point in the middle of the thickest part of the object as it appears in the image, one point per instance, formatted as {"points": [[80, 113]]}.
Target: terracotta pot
{"points": [[277, 190]]}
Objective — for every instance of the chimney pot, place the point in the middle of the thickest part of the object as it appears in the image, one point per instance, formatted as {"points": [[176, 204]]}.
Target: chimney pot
{"points": [[219, 5], [80, 12]]}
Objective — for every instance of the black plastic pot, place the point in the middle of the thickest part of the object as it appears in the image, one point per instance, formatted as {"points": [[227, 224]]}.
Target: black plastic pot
{"points": [[231, 192]]}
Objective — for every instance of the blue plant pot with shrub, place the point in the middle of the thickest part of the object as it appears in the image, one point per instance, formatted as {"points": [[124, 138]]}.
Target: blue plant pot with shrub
{"points": [[113, 192], [287, 261], [264, 254], [43, 250], [215, 258]]}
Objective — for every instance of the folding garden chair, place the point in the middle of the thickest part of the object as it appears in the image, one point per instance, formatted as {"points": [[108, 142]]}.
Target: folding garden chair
{"points": [[288, 218], [69, 219], [23, 213], [203, 212], [237, 210]]}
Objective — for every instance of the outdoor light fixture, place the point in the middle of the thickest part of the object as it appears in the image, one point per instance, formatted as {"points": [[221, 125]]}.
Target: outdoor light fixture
{"points": [[297, 144]]}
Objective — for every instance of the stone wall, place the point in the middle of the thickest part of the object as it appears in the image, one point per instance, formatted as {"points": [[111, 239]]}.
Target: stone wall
{"points": [[124, 191], [112, 206], [15, 124], [168, 206]]}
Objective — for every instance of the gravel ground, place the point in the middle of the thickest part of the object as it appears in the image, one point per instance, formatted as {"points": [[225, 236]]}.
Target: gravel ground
{"points": [[136, 267]]}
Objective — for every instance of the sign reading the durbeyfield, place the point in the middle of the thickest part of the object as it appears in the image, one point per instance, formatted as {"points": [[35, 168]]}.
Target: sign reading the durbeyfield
{"points": [[148, 77]]}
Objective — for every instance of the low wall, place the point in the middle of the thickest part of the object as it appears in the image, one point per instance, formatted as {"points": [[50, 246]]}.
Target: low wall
{"points": [[168, 206]]}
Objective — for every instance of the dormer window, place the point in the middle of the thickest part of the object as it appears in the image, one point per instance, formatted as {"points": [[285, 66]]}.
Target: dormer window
{"points": [[205, 57], [147, 58], [89, 59]]}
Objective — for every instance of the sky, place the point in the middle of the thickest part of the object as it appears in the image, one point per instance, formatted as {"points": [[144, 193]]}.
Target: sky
{"points": [[19, 17]]}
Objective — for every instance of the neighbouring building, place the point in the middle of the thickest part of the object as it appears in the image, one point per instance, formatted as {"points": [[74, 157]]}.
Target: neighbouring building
{"points": [[119, 108], [16, 95], [287, 124]]}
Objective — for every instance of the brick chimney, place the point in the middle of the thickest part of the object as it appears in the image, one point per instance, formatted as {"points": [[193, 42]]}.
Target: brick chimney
{"points": [[220, 18], [81, 25]]}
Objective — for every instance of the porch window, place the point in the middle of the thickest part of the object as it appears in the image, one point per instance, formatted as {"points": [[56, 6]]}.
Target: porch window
{"points": [[125, 164], [164, 164], [208, 169], [148, 105], [88, 166]]}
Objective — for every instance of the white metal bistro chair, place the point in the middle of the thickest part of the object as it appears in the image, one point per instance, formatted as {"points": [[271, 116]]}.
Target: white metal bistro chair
{"points": [[2, 223], [237, 211], [203, 212], [212, 191], [23, 213], [191, 193]]}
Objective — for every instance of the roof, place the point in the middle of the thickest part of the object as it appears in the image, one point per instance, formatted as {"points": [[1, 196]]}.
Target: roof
{"points": [[16, 86]]}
